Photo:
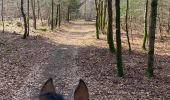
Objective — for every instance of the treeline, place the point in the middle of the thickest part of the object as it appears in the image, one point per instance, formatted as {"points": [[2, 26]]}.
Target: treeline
{"points": [[54, 11], [149, 33]]}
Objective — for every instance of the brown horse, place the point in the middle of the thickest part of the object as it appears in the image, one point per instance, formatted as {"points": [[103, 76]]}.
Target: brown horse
{"points": [[48, 91]]}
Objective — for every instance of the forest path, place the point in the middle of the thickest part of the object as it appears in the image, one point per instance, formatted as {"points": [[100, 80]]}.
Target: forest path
{"points": [[61, 65], [73, 52]]}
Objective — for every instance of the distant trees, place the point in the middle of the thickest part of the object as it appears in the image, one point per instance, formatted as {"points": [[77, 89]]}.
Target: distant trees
{"points": [[25, 20], [101, 9], [152, 28]]}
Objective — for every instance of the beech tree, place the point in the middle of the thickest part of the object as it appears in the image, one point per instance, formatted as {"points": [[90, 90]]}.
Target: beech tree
{"points": [[152, 28], [146, 26], [52, 14], [110, 29], [118, 39], [2, 15], [127, 30], [25, 20], [28, 17], [33, 12]]}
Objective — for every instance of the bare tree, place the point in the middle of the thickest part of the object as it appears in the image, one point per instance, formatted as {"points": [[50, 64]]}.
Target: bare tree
{"points": [[146, 26], [25, 20], [2, 15], [34, 16], [127, 30], [118, 40], [52, 14], [28, 16], [152, 28], [110, 28]]}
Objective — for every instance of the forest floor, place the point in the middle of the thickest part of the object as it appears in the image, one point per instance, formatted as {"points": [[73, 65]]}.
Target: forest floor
{"points": [[72, 52]]}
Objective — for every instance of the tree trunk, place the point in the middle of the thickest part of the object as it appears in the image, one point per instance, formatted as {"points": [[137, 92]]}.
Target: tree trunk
{"points": [[68, 14], [38, 3], [104, 17], [169, 22], [56, 19], [118, 39], [97, 19], [2, 15], [127, 30], [152, 29], [97, 28], [101, 15], [28, 16], [146, 26], [39, 12], [110, 29], [52, 14], [85, 10], [160, 27], [19, 10], [59, 15], [25, 20], [34, 16]]}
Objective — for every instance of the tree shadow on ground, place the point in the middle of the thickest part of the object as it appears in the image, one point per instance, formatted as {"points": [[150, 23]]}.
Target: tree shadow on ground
{"points": [[19, 57], [97, 66]]}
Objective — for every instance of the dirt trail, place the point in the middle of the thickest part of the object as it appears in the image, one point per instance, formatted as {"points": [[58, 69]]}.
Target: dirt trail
{"points": [[61, 66], [72, 52]]}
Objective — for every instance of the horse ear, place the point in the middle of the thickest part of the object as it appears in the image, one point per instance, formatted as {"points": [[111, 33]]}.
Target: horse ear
{"points": [[48, 87], [81, 92]]}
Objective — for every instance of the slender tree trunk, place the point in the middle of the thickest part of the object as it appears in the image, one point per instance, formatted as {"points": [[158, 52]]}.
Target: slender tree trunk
{"points": [[118, 40], [85, 10], [152, 29], [25, 20], [59, 15], [146, 26], [52, 14], [104, 18], [2, 16], [110, 29], [97, 19], [34, 16], [19, 10], [160, 27], [101, 15], [68, 14], [97, 28], [28, 17], [169, 22], [38, 3], [39, 12], [56, 23], [127, 30]]}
